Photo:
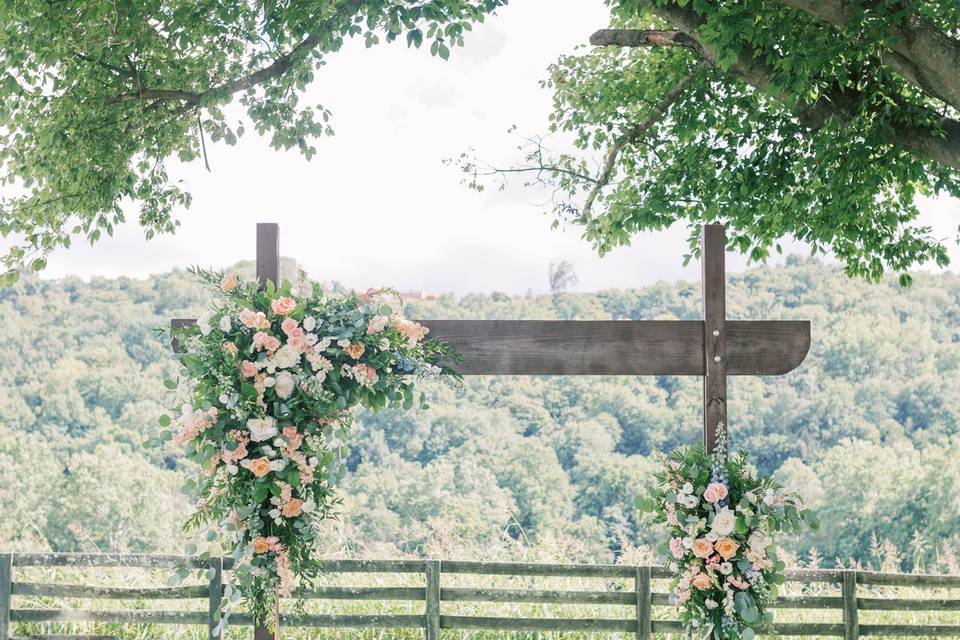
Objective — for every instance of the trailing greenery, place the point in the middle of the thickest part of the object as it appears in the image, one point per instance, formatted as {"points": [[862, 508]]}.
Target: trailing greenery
{"points": [[549, 461]]}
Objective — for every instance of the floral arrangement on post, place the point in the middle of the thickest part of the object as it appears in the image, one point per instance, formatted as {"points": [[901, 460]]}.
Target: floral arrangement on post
{"points": [[722, 520], [273, 377]]}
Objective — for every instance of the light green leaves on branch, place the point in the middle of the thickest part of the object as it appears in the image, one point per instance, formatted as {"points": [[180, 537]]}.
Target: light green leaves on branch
{"points": [[95, 98]]}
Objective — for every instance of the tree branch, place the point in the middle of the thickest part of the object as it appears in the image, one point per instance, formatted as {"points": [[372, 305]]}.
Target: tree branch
{"points": [[922, 52], [940, 144], [643, 38], [278, 67], [634, 135]]}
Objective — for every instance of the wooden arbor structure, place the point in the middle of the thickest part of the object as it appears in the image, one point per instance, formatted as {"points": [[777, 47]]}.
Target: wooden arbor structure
{"points": [[712, 347]]}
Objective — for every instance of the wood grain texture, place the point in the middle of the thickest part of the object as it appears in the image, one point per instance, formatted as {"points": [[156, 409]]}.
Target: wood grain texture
{"points": [[432, 607], [643, 603], [618, 347], [713, 279], [851, 623], [6, 584], [614, 347], [268, 253]]}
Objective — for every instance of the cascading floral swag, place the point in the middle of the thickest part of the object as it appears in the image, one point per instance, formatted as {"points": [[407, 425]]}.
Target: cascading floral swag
{"points": [[273, 378], [722, 519]]}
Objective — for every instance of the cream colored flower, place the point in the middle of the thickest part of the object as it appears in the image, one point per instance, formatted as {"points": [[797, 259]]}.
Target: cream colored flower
{"points": [[724, 522]]}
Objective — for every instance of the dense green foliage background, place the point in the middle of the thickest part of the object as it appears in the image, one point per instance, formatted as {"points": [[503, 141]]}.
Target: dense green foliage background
{"points": [[867, 428]]}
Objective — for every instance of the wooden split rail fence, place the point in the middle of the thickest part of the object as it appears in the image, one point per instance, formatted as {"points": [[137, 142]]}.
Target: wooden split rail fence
{"points": [[628, 586]]}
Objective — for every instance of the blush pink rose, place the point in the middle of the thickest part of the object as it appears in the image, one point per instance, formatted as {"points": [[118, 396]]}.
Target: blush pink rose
{"points": [[676, 548], [289, 325], [283, 306], [248, 369], [715, 492]]}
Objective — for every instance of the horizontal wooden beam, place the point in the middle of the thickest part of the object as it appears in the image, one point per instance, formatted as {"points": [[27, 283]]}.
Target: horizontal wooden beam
{"points": [[616, 347]]}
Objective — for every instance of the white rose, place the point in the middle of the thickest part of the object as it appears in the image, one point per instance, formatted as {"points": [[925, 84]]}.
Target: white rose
{"points": [[262, 428], [687, 488], [726, 568], [724, 522], [278, 465], [309, 323], [343, 343], [285, 384], [758, 541], [690, 501], [384, 344], [274, 513], [308, 506], [311, 339], [204, 322], [225, 324], [286, 357]]}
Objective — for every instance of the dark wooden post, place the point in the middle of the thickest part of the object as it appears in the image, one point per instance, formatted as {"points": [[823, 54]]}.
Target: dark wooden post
{"points": [[642, 585], [215, 597], [713, 246], [6, 580], [268, 268], [268, 253], [851, 623], [432, 609]]}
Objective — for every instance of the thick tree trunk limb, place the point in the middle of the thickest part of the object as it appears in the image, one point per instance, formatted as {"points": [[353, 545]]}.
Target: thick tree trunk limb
{"points": [[643, 38], [942, 144], [923, 53]]}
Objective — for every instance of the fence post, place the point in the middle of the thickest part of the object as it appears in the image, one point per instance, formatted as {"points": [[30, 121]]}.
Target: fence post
{"points": [[215, 598], [432, 630], [6, 577], [851, 624], [644, 626]]}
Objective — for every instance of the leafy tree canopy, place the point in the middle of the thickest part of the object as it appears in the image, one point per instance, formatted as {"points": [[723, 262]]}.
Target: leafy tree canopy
{"points": [[95, 97], [816, 119]]}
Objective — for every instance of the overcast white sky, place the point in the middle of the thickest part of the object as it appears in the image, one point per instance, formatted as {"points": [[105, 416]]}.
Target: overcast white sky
{"points": [[377, 207]]}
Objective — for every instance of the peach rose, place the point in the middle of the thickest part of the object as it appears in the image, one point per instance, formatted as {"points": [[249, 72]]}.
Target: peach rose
{"points": [[283, 306], [727, 548], [261, 545], [702, 548], [293, 508], [248, 369], [354, 350], [230, 282], [253, 319], [260, 467], [702, 581], [715, 492]]}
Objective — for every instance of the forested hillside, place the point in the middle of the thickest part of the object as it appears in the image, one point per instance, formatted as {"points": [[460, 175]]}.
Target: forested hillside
{"points": [[867, 428]]}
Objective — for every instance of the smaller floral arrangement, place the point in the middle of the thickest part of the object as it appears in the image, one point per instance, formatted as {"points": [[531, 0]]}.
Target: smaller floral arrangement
{"points": [[723, 520], [273, 377]]}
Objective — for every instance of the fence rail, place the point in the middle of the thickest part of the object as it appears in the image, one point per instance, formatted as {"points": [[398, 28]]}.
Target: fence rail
{"points": [[433, 593]]}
